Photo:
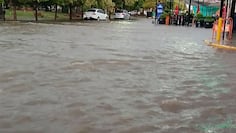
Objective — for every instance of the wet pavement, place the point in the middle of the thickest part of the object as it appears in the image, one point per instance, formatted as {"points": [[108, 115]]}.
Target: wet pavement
{"points": [[114, 77]]}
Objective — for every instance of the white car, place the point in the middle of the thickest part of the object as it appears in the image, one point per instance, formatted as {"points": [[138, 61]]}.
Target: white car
{"points": [[122, 14], [133, 13], [94, 13]]}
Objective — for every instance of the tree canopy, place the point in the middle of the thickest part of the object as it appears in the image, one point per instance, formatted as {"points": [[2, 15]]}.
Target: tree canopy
{"points": [[149, 4]]}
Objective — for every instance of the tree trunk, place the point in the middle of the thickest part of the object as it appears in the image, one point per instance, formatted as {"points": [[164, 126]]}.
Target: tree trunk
{"points": [[1, 11], [70, 6], [14, 12], [13, 5], [109, 13], [123, 4], [55, 12], [82, 15], [36, 11], [99, 3]]}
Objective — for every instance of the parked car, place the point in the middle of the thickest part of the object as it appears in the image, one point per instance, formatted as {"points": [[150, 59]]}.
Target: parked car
{"points": [[96, 14], [122, 14], [133, 13]]}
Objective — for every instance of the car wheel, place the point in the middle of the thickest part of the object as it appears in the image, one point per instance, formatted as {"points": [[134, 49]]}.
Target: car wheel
{"points": [[107, 18]]}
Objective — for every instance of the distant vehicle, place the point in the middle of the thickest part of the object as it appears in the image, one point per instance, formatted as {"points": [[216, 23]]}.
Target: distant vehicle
{"points": [[122, 14], [134, 12], [96, 14]]}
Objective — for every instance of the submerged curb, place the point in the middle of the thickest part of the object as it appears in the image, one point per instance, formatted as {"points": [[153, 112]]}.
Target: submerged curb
{"points": [[219, 46]]}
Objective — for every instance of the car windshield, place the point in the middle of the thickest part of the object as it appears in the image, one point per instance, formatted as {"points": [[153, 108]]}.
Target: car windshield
{"points": [[91, 10], [119, 11]]}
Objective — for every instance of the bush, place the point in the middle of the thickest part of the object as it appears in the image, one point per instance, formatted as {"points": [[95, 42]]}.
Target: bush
{"points": [[163, 16], [208, 19], [199, 17]]}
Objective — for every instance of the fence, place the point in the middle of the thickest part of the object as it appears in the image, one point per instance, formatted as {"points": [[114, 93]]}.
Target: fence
{"points": [[206, 10]]}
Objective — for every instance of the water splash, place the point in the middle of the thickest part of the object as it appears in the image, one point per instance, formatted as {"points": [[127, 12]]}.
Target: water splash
{"points": [[214, 128]]}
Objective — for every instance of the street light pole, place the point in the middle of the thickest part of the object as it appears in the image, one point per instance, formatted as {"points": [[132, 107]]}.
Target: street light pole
{"points": [[198, 8], [198, 3], [226, 8], [189, 6], [221, 7]]}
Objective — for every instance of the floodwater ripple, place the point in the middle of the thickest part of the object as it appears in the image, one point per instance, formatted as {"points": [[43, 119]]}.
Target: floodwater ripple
{"points": [[113, 77]]}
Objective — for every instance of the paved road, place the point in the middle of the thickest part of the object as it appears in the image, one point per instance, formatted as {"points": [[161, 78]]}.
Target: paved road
{"points": [[114, 77]]}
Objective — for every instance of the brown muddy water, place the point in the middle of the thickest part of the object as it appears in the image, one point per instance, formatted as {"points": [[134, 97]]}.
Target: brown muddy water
{"points": [[114, 77]]}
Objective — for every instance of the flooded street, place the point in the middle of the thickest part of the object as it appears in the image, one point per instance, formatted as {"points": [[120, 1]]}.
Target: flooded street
{"points": [[114, 77]]}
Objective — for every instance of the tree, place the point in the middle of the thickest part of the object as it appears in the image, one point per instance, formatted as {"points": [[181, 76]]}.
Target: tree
{"points": [[105, 4], [128, 3], [82, 5], [56, 3], [70, 3], [109, 6], [124, 3], [118, 3], [34, 3], [13, 4], [149, 4], [89, 3], [138, 4], [2, 12]]}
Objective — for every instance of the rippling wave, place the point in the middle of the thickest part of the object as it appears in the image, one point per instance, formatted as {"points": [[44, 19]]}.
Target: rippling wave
{"points": [[114, 77]]}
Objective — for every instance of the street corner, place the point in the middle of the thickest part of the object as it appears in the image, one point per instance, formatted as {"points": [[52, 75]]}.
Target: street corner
{"points": [[222, 45]]}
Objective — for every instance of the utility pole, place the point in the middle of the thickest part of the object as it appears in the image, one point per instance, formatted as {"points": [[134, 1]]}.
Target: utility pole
{"points": [[189, 9], [189, 6], [198, 7], [226, 12], [198, 3]]}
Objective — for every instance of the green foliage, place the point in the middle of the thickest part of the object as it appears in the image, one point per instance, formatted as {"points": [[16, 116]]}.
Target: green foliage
{"points": [[163, 16], [106, 4], [59, 2], [138, 4], [208, 19], [125, 3], [118, 3], [129, 2], [168, 5], [167, 10], [199, 15], [89, 3], [29, 15], [149, 4]]}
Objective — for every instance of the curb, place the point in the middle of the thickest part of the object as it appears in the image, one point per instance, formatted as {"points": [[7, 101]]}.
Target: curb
{"points": [[219, 46]]}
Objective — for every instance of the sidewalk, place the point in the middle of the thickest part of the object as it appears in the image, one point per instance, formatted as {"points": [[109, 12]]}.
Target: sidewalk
{"points": [[226, 44]]}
